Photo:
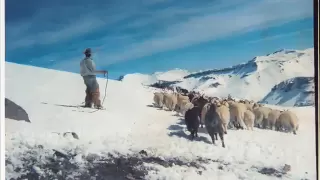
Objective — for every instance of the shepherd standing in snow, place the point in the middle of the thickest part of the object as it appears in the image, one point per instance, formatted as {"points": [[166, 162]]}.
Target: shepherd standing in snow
{"points": [[88, 72]]}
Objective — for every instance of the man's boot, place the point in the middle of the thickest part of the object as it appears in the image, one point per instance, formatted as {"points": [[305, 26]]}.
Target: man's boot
{"points": [[88, 99], [96, 99]]}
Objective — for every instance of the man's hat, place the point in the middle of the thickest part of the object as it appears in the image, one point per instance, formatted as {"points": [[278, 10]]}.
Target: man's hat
{"points": [[87, 51]]}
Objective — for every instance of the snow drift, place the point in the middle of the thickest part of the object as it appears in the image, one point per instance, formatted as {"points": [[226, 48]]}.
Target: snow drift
{"points": [[130, 140], [254, 79]]}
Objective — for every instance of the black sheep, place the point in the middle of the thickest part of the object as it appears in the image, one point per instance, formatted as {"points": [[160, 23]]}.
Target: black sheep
{"points": [[200, 102], [192, 120]]}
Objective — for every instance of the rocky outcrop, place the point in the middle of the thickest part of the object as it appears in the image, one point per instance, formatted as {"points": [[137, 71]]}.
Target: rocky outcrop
{"points": [[15, 112]]}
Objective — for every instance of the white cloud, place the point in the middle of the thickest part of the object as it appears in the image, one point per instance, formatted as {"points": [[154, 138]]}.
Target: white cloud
{"points": [[50, 25], [196, 30], [78, 28], [267, 38], [201, 23]]}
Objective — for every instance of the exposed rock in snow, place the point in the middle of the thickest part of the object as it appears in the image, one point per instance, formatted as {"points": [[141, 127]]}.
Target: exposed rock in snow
{"points": [[15, 112]]}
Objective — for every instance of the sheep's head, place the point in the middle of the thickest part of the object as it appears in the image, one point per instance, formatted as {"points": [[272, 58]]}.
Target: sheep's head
{"points": [[246, 101], [200, 101], [231, 102], [218, 104], [225, 103], [256, 105], [175, 94], [230, 99], [212, 107]]}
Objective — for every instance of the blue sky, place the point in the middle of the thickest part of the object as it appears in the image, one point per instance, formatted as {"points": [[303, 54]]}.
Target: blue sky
{"points": [[153, 35]]}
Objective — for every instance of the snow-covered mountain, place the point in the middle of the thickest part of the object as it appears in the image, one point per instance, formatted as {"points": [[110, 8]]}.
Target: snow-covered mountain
{"points": [[130, 140], [145, 79], [251, 80], [298, 91]]}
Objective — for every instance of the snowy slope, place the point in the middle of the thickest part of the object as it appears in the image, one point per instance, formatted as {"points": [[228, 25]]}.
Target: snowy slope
{"points": [[298, 91], [253, 79], [129, 126]]}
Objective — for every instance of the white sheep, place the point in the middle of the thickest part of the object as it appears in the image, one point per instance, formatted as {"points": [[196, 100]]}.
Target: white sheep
{"points": [[288, 121], [185, 105], [249, 119], [261, 116], [181, 98], [158, 99], [237, 114], [272, 118], [170, 101]]}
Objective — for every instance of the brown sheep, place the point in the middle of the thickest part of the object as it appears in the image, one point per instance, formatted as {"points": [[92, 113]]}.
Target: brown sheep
{"points": [[288, 121], [214, 123], [224, 114]]}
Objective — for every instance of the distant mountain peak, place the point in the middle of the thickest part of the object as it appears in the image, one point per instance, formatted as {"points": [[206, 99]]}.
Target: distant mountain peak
{"points": [[252, 80]]}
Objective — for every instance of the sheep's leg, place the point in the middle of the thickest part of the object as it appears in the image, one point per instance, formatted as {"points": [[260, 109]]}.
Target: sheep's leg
{"points": [[234, 124], [200, 121], [231, 123], [216, 135], [196, 134], [192, 135], [225, 128], [237, 123], [242, 124], [161, 105], [222, 140], [212, 138], [264, 123], [270, 125], [182, 113]]}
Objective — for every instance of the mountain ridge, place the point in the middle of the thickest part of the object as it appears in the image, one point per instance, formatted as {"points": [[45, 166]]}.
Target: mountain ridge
{"points": [[260, 74]]}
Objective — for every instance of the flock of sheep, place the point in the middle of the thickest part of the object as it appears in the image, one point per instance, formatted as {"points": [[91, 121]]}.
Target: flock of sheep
{"points": [[219, 115]]}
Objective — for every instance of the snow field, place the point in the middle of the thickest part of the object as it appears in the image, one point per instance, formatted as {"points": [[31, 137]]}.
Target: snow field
{"points": [[129, 125]]}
